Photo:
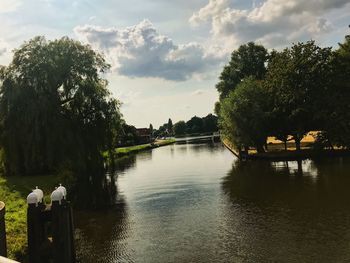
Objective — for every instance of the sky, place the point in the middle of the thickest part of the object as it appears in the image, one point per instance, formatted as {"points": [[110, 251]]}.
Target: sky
{"points": [[166, 56]]}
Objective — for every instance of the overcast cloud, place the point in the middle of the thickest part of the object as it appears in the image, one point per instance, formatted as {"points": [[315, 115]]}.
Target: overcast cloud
{"points": [[141, 51]]}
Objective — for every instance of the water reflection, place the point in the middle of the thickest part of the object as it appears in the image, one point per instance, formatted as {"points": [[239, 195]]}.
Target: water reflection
{"points": [[100, 234], [193, 203], [125, 163], [288, 212]]}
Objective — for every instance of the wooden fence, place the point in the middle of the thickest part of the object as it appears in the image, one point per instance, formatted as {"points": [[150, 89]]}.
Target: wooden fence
{"points": [[49, 227]]}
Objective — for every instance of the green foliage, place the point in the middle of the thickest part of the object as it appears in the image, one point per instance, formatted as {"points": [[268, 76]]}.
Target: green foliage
{"points": [[128, 135], [245, 114], [298, 78], [151, 129], [170, 127], [247, 60], [306, 88], [210, 123], [197, 126], [56, 111], [137, 148], [337, 107], [194, 125], [180, 128]]}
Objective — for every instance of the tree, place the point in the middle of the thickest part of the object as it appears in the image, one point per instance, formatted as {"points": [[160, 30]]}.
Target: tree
{"points": [[337, 108], [298, 79], [162, 131], [56, 112], [151, 129], [210, 123], [170, 127], [194, 125], [128, 135], [245, 114], [217, 108], [180, 128], [247, 60]]}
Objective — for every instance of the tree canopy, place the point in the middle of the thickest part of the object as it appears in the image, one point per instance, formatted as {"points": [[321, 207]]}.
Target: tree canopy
{"points": [[248, 60], [298, 79], [245, 114], [300, 89]]}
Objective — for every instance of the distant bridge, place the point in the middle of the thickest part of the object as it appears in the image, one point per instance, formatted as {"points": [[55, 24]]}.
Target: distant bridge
{"points": [[215, 137]]}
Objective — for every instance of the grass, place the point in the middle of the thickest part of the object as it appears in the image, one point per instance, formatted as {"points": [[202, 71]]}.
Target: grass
{"points": [[276, 150], [13, 192], [137, 148]]}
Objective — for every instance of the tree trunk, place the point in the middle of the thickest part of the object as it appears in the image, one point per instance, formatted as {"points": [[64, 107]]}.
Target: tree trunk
{"points": [[300, 168], [297, 143], [330, 143], [260, 148]]}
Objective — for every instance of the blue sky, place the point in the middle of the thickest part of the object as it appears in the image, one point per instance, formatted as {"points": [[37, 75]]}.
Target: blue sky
{"points": [[166, 55]]}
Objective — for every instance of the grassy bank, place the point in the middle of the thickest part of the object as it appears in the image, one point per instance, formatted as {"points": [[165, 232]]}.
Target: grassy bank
{"points": [[137, 148], [13, 192]]}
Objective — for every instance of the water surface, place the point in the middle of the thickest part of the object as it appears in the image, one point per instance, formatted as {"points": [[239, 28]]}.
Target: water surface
{"points": [[197, 203]]}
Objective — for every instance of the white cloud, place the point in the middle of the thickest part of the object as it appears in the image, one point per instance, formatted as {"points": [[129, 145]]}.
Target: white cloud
{"points": [[141, 51], [7, 6], [272, 23]]}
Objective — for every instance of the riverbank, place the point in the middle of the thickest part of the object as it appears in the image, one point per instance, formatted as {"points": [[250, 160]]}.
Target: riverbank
{"points": [[13, 192], [276, 152], [138, 148]]}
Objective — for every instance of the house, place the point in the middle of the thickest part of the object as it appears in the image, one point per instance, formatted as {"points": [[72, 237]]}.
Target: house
{"points": [[144, 135]]}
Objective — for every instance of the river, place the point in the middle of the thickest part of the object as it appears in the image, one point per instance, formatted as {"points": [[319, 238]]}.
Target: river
{"points": [[197, 203]]}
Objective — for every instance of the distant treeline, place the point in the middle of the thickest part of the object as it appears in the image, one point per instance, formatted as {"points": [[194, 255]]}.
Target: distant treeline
{"points": [[194, 126], [286, 94]]}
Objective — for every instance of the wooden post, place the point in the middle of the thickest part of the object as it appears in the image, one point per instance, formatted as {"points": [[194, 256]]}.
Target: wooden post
{"points": [[35, 232], [3, 249], [62, 232]]}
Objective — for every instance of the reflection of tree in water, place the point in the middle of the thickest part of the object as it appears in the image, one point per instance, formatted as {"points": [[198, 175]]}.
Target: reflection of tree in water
{"points": [[100, 234], [206, 147], [106, 193], [125, 162], [283, 210]]}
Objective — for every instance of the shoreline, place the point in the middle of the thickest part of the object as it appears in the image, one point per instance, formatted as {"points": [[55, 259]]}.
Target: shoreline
{"points": [[124, 151], [289, 155]]}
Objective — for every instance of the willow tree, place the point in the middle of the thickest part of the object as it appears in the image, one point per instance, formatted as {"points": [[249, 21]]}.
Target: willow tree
{"points": [[56, 111]]}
